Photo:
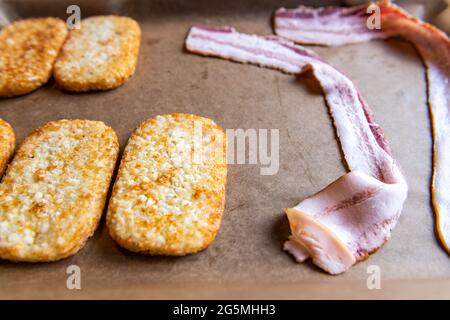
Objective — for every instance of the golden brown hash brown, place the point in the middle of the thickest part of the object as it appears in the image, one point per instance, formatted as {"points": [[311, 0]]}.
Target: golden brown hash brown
{"points": [[166, 199], [53, 193], [28, 50], [101, 55], [7, 144]]}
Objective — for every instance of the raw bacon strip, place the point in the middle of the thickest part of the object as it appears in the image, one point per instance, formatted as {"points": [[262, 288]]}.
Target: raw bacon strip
{"points": [[331, 26], [303, 24], [354, 216]]}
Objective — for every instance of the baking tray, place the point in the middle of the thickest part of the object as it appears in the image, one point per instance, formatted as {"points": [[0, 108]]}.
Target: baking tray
{"points": [[246, 259]]}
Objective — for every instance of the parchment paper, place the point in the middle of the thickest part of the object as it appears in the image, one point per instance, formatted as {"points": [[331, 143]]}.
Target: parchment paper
{"points": [[246, 260]]}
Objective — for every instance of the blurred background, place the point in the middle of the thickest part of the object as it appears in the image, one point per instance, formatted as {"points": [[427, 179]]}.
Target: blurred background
{"points": [[434, 11]]}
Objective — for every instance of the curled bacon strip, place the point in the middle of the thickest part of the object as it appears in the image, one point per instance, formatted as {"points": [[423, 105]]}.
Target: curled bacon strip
{"points": [[337, 26], [353, 216]]}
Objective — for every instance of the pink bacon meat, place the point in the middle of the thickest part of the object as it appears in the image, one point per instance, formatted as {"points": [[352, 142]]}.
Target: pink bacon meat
{"points": [[348, 25], [326, 25], [353, 216], [329, 26]]}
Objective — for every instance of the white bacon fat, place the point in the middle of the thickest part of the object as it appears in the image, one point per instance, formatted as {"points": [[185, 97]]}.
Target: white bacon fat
{"points": [[338, 26], [354, 216]]}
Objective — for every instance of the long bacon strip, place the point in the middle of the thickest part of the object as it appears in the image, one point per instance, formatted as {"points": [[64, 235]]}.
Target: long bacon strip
{"points": [[337, 26], [354, 216]]}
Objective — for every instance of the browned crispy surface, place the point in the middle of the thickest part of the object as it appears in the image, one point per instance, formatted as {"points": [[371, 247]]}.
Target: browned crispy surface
{"points": [[53, 193], [28, 49], [7, 144], [165, 200], [101, 55]]}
